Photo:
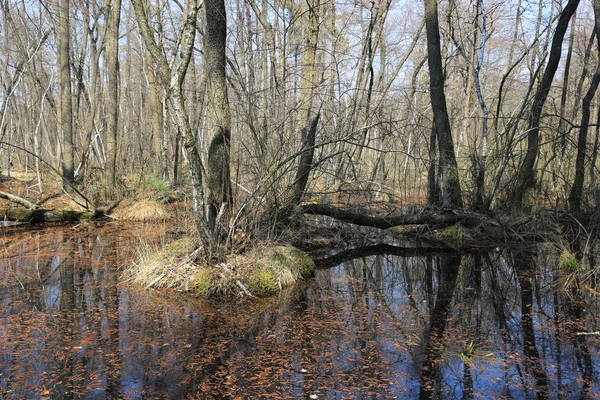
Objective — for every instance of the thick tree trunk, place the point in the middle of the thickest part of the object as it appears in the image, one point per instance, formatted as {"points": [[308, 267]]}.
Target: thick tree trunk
{"points": [[451, 192], [576, 194], [218, 118], [306, 162], [65, 112], [40, 215], [112, 103], [526, 174], [172, 81]]}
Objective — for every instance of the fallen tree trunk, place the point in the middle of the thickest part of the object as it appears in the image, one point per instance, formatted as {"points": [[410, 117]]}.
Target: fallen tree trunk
{"points": [[18, 200], [433, 218], [42, 215]]}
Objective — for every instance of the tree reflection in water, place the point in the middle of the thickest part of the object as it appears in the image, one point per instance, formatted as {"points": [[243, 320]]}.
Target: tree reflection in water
{"points": [[405, 324]]}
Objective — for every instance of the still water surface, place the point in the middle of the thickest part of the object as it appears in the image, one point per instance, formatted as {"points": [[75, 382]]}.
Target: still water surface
{"points": [[456, 326]]}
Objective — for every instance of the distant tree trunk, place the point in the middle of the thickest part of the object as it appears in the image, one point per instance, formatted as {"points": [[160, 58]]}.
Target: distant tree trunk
{"points": [[308, 63], [575, 196], [65, 111], [481, 158], [565, 92], [526, 175], [218, 116], [155, 101], [451, 192], [112, 103], [309, 127]]}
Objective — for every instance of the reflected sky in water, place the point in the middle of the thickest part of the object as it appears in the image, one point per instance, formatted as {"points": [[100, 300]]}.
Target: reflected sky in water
{"points": [[489, 325]]}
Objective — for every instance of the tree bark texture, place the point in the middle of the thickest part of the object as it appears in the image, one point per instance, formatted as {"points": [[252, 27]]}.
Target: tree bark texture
{"points": [[359, 218], [65, 112], [306, 161], [112, 100], [451, 192], [218, 117], [172, 80]]}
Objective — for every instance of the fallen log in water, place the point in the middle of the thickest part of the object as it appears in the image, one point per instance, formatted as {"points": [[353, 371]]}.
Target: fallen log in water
{"points": [[38, 215]]}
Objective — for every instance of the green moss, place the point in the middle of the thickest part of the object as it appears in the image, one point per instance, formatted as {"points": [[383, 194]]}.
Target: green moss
{"points": [[268, 270], [568, 262], [203, 282], [456, 232], [180, 247], [68, 214], [302, 262], [263, 282]]}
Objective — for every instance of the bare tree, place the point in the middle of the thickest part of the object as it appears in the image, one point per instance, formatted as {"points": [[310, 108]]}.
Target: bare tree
{"points": [[65, 111], [218, 117], [526, 175], [451, 192], [112, 61], [575, 197], [172, 79]]}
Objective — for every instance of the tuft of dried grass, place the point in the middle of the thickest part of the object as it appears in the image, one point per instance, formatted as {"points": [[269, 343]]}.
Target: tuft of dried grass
{"points": [[171, 267], [143, 210], [263, 271]]}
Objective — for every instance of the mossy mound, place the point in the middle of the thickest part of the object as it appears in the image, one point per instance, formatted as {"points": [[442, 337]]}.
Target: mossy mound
{"points": [[264, 271], [261, 272]]}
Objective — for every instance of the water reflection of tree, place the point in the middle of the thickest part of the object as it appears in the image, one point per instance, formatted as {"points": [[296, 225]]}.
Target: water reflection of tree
{"points": [[524, 262], [366, 328], [434, 333]]}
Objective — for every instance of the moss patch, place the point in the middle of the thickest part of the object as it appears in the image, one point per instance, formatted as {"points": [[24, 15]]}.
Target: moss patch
{"points": [[263, 282], [265, 271], [202, 282]]}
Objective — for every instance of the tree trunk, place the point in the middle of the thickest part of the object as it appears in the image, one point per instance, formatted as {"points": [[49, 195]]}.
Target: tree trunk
{"points": [[218, 118], [65, 111], [306, 161], [565, 92], [526, 174], [112, 100], [172, 81], [481, 158], [451, 192], [575, 196]]}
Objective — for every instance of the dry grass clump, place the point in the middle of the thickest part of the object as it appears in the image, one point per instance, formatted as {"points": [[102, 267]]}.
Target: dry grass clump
{"points": [[142, 210], [171, 267], [263, 271]]}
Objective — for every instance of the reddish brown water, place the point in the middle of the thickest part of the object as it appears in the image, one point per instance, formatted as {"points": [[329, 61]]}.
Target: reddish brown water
{"points": [[488, 325]]}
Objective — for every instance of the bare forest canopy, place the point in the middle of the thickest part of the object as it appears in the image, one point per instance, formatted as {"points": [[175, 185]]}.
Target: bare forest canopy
{"points": [[334, 101]]}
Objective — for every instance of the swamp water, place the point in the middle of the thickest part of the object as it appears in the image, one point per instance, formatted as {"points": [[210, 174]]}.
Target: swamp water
{"points": [[490, 325]]}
